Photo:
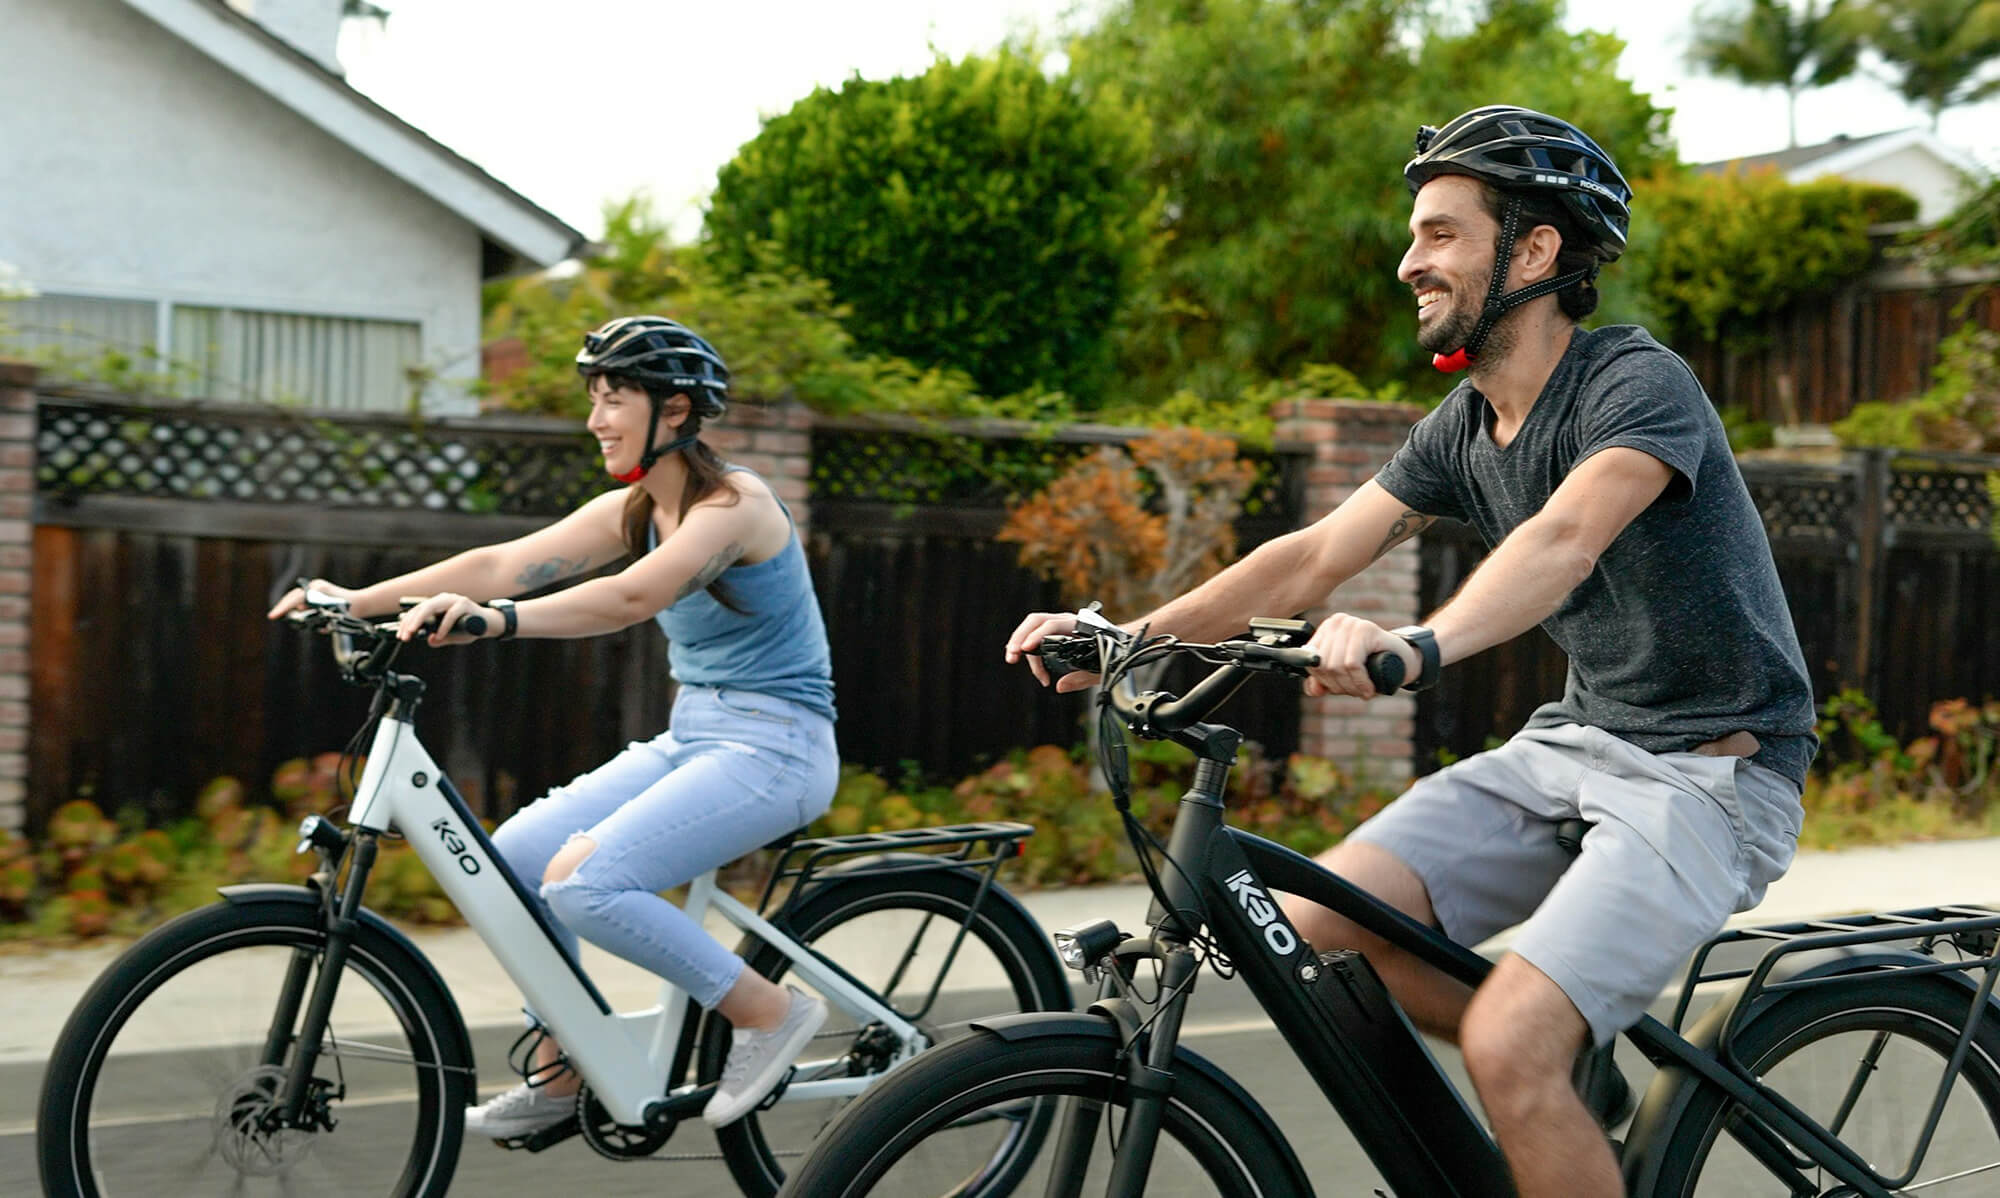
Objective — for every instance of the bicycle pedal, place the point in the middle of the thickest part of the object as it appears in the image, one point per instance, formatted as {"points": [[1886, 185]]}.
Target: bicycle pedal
{"points": [[547, 1137], [1603, 1088]]}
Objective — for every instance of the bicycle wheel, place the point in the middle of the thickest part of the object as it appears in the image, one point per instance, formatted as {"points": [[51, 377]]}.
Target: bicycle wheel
{"points": [[1006, 963], [1878, 1045], [159, 1080], [930, 1128]]}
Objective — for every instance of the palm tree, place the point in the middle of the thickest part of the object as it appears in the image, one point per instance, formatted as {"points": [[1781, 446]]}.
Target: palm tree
{"points": [[1937, 49], [1769, 43]]}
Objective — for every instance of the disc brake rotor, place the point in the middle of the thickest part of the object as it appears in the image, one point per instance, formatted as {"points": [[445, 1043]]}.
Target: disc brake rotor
{"points": [[247, 1135]]}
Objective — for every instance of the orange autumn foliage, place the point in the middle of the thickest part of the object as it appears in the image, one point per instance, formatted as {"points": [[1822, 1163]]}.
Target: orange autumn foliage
{"points": [[1095, 533]]}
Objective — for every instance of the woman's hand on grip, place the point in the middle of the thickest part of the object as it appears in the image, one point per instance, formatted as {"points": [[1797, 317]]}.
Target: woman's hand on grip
{"points": [[1028, 636], [442, 618]]}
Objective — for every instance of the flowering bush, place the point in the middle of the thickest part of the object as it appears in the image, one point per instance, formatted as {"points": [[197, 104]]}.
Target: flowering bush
{"points": [[1868, 787], [1094, 532], [1304, 803]]}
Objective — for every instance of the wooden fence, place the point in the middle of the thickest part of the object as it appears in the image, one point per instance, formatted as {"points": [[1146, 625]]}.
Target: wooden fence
{"points": [[919, 598], [1813, 362], [1888, 566], [164, 531]]}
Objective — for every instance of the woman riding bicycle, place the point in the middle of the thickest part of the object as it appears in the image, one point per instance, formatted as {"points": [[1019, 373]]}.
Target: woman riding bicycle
{"points": [[750, 752]]}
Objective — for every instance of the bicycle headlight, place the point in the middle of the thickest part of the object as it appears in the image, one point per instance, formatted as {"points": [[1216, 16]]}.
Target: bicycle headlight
{"points": [[1085, 944]]}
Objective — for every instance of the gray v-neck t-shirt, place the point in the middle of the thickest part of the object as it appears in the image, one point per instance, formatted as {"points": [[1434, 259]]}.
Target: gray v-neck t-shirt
{"points": [[1681, 633]]}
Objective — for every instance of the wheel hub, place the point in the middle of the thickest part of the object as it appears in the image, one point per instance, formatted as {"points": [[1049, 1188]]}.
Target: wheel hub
{"points": [[248, 1132]]}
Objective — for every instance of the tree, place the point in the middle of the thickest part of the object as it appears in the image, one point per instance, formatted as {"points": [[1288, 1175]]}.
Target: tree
{"points": [[980, 216], [1279, 129], [1771, 43], [1938, 50]]}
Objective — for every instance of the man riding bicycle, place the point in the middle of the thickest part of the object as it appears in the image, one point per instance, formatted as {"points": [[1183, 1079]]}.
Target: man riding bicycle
{"points": [[1597, 471]]}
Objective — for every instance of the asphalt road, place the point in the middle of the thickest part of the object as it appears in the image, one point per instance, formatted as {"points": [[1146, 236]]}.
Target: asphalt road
{"points": [[1223, 1026]]}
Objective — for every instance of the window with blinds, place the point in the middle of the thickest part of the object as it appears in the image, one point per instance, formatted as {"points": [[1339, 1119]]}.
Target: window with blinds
{"points": [[232, 355]]}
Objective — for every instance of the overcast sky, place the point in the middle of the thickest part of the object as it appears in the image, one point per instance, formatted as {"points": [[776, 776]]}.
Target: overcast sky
{"points": [[576, 103]]}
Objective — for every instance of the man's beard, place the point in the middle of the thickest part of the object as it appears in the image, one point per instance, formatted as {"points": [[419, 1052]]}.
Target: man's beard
{"points": [[1444, 336]]}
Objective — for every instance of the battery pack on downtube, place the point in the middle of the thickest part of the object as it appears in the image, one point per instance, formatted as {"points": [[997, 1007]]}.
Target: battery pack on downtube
{"points": [[1353, 1039], [1391, 1081]]}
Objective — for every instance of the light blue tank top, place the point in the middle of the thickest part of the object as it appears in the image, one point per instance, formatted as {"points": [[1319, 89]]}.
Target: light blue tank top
{"points": [[777, 646]]}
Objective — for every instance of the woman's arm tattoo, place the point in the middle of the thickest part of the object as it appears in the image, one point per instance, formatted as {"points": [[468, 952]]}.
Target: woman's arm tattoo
{"points": [[555, 569], [711, 571], [1407, 525]]}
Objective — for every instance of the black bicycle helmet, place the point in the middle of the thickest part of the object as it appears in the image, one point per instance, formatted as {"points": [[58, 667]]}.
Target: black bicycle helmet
{"points": [[667, 359], [1522, 152]]}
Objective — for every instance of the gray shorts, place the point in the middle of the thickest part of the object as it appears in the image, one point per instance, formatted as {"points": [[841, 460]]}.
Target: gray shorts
{"points": [[1680, 842]]}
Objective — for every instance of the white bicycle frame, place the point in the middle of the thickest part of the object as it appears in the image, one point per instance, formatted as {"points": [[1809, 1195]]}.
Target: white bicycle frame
{"points": [[625, 1057]]}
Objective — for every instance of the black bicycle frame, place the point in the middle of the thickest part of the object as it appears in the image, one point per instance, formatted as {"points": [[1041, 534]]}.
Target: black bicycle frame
{"points": [[1222, 878]]}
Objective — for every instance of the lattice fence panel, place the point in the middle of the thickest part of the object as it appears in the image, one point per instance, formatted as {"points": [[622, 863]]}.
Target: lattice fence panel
{"points": [[1953, 500], [201, 454], [954, 470], [1819, 507]]}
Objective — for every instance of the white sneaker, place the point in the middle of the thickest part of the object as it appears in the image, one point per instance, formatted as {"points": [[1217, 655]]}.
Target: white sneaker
{"points": [[520, 1111], [758, 1058]]}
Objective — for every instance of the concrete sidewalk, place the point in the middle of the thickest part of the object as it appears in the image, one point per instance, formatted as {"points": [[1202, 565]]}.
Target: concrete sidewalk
{"points": [[38, 989]]}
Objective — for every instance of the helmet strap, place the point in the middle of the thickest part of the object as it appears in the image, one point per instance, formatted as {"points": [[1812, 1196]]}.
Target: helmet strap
{"points": [[651, 455], [1498, 299]]}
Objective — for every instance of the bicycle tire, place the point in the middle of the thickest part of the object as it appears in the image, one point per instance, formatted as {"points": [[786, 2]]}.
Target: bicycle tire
{"points": [[128, 1075], [1923, 1018], [1214, 1138], [1002, 934]]}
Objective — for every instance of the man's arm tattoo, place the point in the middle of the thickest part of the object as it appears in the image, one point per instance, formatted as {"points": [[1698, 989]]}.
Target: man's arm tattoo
{"points": [[1407, 525], [711, 571], [555, 569]]}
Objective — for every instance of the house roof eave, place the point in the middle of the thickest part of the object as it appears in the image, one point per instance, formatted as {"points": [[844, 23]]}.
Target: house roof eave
{"points": [[322, 98]]}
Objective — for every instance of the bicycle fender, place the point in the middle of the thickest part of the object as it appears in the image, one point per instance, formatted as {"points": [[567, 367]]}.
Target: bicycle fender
{"points": [[1106, 1020], [1674, 1086], [279, 892]]}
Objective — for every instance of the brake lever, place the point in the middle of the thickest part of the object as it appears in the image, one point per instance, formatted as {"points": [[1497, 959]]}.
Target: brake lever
{"points": [[1068, 655]]}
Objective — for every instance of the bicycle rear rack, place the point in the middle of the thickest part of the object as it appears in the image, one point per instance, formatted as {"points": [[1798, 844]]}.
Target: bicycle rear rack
{"points": [[979, 849], [970, 846], [1972, 929]]}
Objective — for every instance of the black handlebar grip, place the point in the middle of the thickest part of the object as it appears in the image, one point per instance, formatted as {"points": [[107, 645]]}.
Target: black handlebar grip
{"points": [[1067, 654], [1299, 660], [475, 625], [1385, 670]]}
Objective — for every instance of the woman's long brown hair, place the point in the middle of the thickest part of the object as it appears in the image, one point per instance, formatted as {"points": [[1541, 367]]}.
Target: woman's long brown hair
{"points": [[705, 470]]}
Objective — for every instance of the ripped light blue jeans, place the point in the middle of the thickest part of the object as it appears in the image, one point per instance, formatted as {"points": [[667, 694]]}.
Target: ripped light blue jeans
{"points": [[735, 771]]}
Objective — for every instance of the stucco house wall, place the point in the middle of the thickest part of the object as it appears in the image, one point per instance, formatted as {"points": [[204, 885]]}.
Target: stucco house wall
{"points": [[1937, 186], [139, 167]]}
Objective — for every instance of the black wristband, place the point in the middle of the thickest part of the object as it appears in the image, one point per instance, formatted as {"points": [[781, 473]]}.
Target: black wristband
{"points": [[1424, 641], [510, 619]]}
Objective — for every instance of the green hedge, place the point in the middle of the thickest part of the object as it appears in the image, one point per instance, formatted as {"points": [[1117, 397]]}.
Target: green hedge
{"points": [[978, 216], [1715, 254]]}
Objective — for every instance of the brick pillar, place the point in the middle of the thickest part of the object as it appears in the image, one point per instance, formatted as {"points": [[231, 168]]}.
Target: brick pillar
{"points": [[1350, 441], [17, 497], [775, 440]]}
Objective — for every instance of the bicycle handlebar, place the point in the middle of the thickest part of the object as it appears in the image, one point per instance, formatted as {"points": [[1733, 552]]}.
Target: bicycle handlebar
{"points": [[1162, 713], [364, 648]]}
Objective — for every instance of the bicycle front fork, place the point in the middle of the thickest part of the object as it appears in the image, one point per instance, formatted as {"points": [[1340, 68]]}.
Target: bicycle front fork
{"points": [[340, 926], [1147, 1083]]}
